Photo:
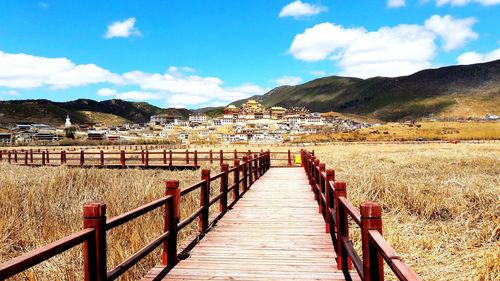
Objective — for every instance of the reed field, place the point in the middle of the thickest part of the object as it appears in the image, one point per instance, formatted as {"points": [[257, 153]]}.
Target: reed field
{"points": [[441, 207]]}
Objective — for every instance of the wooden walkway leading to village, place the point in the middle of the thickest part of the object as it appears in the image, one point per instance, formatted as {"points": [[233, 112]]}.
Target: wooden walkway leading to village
{"points": [[274, 232], [279, 224]]}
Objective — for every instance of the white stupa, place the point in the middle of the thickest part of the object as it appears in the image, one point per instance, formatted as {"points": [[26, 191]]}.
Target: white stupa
{"points": [[68, 122]]}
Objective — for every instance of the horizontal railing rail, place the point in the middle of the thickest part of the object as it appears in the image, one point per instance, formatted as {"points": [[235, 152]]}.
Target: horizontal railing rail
{"points": [[32, 258], [96, 225], [336, 209], [128, 158]]}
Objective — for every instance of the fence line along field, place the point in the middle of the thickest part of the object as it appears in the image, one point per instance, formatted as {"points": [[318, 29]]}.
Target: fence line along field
{"points": [[441, 207]]}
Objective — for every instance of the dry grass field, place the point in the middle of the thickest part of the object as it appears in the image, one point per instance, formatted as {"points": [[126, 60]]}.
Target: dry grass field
{"points": [[429, 131], [441, 202], [441, 207]]}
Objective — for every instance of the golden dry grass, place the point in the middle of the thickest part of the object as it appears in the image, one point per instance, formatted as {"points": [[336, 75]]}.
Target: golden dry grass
{"points": [[441, 206], [41, 205], [421, 130], [441, 202]]}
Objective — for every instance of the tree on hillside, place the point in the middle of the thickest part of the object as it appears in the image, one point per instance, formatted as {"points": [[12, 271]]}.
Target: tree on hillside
{"points": [[70, 132]]}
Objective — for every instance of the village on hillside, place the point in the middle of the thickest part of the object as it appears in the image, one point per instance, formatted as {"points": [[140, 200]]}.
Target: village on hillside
{"points": [[250, 123]]}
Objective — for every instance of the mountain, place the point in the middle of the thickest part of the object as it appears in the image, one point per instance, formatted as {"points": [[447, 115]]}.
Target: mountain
{"points": [[453, 91], [213, 111], [111, 112]]}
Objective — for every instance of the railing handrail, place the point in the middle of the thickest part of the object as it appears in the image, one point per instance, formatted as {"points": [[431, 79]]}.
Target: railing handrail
{"points": [[124, 158], [34, 257], [336, 208]]}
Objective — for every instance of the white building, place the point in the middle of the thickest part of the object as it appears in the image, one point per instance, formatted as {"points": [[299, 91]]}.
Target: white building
{"points": [[198, 118], [68, 122]]}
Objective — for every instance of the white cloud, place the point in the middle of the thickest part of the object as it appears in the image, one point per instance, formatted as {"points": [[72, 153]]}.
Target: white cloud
{"points": [[27, 71], [124, 28], [106, 92], [323, 40], [465, 2], [298, 9], [455, 32], [288, 80], [396, 3], [182, 90], [388, 51], [19, 71], [473, 57]]}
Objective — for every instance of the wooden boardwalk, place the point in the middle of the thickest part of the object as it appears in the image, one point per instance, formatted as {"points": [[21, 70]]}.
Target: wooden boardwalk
{"points": [[274, 232]]}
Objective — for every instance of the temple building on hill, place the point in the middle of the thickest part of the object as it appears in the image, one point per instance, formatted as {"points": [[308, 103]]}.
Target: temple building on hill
{"points": [[253, 110]]}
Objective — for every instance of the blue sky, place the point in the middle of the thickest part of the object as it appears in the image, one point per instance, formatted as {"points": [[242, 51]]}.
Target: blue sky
{"points": [[188, 53]]}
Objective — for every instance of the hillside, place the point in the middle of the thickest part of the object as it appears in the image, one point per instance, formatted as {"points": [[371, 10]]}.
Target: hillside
{"points": [[454, 91], [111, 112]]}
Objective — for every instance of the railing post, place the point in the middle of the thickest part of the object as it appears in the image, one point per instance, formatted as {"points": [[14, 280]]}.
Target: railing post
{"points": [[187, 156], [15, 156], [1, 155], [171, 219], [342, 225], [221, 156], [256, 166], [373, 266], [94, 216], [31, 155], [164, 157], [46, 152], [146, 160], [196, 158], [250, 171], [321, 189], [26, 158], [223, 188], [101, 154], [9, 156], [43, 158], [330, 177], [311, 172], [289, 158], [211, 157], [315, 178], [236, 192], [62, 157], [245, 173], [268, 159], [142, 156], [82, 157], [204, 201], [122, 158], [170, 157]]}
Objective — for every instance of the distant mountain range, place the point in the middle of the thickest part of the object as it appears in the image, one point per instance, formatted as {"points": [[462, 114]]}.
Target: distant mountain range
{"points": [[81, 111], [454, 91]]}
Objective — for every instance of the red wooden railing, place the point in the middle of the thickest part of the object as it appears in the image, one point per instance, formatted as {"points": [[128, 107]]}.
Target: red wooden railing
{"points": [[93, 237], [336, 209], [123, 158]]}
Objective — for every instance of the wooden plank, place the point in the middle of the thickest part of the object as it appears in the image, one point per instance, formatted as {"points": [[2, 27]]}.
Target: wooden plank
{"points": [[274, 232]]}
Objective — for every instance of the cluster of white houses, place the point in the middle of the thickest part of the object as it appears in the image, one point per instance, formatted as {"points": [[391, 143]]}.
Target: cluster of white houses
{"points": [[250, 122]]}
